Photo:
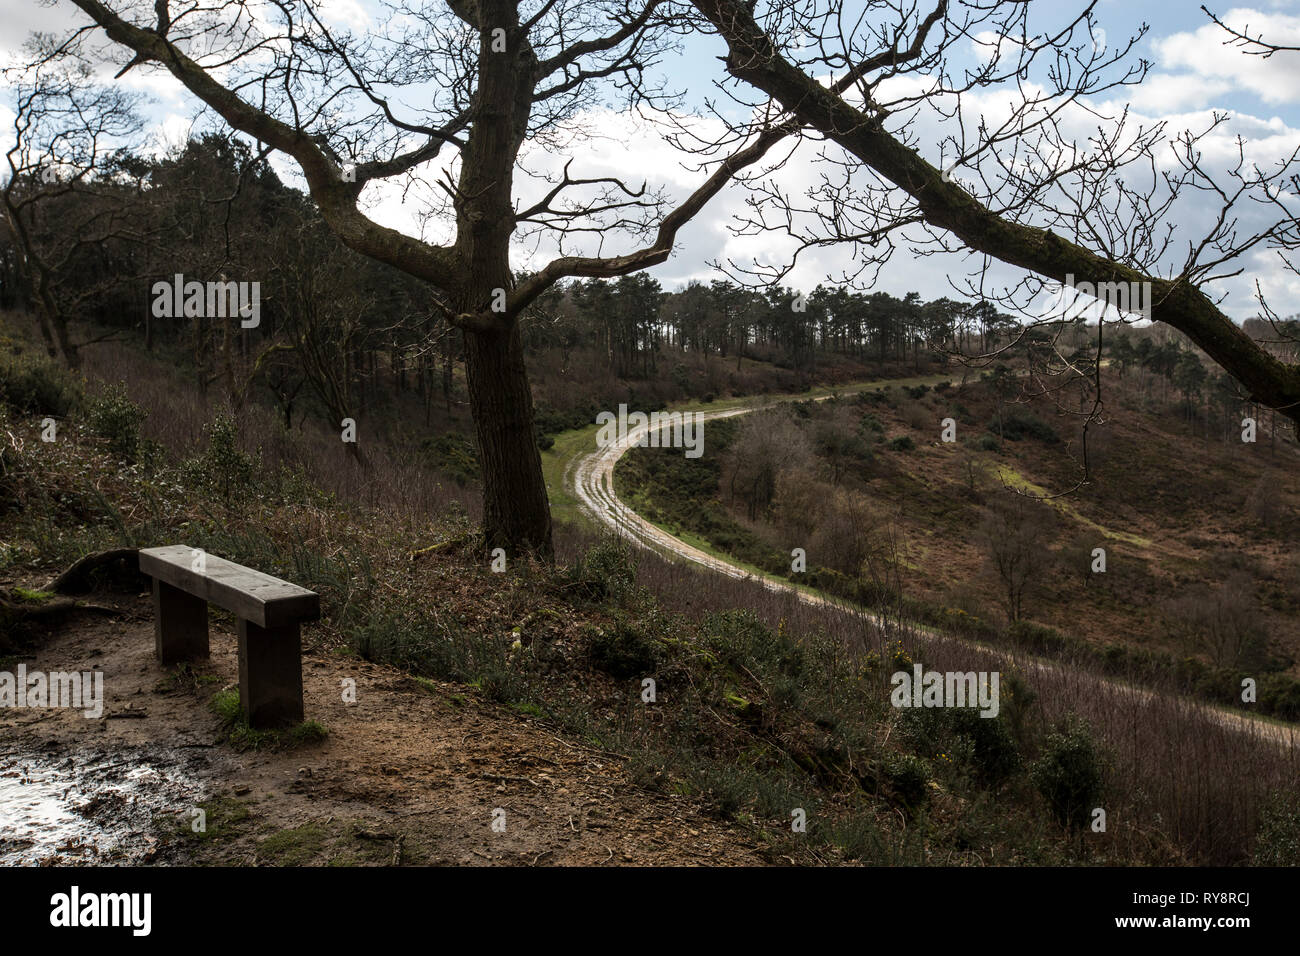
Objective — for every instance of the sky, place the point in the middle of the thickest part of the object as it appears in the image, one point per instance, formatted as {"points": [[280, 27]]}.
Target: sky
{"points": [[1193, 74]]}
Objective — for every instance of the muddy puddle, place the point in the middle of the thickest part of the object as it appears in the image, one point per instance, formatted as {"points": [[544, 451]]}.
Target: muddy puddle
{"points": [[93, 807]]}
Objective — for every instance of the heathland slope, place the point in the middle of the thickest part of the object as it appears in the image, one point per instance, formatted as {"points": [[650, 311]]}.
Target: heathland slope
{"points": [[1173, 556], [767, 722]]}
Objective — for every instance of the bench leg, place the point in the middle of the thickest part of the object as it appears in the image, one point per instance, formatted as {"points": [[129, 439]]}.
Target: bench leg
{"points": [[180, 624], [270, 675]]}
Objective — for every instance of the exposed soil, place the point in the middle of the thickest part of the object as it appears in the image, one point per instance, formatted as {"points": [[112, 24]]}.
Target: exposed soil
{"points": [[412, 773]]}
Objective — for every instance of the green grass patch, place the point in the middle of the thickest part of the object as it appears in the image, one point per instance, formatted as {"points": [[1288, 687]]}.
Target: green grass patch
{"points": [[1014, 479], [295, 847], [243, 737], [222, 817]]}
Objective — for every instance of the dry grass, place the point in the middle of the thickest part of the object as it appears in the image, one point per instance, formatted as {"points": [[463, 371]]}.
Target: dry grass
{"points": [[397, 481]]}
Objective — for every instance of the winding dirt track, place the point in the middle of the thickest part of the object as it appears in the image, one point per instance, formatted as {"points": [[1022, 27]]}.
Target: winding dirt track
{"points": [[590, 477]]}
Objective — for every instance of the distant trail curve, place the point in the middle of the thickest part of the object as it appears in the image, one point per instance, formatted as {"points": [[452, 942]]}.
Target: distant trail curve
{"points": [[590, 477]]}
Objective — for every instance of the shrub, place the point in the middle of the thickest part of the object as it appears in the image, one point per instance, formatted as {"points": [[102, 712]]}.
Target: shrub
{"points": [[898, 655], [222, 466], [549, 421], [870, 423], [995, 751], [1277, 840], [456, 456], [740, 639], [1018, 423], [605, 571], [117, 419], [1068, 773], [1037, 637], [988, 742], [916, 415], [909, 780], [38, 386], [622, 650], [1017, 697], [988, 443], [902, 443], [1262, 504], [1278, 693]]}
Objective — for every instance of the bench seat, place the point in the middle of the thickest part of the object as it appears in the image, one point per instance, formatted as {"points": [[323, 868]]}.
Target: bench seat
{"points": [[245, 593], [269, 612]]}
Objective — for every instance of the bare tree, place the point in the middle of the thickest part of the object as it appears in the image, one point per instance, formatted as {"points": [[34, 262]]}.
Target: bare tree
{"points": [[1014, 532], [491, 76], [1223, 623], [767, 443], [321, 321], [65, 128], [1028, 192]]}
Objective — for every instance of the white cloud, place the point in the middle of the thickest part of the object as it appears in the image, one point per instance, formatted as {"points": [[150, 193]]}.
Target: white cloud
{"points": [[1160, 93], [1208, 54], [347, 13]]}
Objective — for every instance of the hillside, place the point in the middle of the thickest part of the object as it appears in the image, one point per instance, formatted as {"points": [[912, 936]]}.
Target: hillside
{"points": [[1200, 584], [761, 708]]}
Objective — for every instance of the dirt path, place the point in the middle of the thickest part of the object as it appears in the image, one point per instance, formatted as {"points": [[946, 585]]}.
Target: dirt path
{"points": [[591, 478], [411, 772]]}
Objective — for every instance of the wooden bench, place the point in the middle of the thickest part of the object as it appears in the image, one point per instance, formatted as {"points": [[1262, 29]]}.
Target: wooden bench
{"points": [[269, 612]]}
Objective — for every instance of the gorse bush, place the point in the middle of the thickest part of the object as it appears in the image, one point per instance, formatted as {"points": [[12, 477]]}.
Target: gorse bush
{"points": [[455, 456], [1018, 423], [38, 386], [1277, 841], [1037, 637], [117, 419], [1069, 773], [908, 779], [622, 650], [984, 747], [222, 467], [739, 638], [605, 571], [870, 423]]}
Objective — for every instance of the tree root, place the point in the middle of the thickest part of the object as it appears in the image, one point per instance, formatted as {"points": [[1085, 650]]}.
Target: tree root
{"points": [[18, 611], [450, 546], [76, 580]]}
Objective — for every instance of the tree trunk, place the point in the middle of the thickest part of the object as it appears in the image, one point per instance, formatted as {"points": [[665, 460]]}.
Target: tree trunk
{"points": [[516, 512], [447, 373]]}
